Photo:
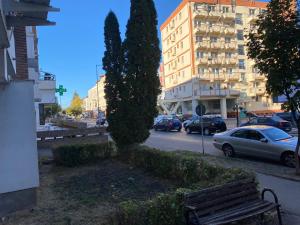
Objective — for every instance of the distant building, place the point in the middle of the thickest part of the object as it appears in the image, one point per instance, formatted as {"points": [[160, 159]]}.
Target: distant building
{"points": [[205, 58], [96, 94]]}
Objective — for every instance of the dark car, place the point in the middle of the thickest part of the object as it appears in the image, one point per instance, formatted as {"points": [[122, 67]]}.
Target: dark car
{"points": [[168, 124], [274, 121], [210, 125], [286, 116]]}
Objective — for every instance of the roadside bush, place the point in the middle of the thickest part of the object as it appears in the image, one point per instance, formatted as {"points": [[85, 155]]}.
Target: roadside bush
{"points": [[183, 167], [75, 155]]}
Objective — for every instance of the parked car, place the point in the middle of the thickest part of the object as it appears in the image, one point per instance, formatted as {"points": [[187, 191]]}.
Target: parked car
{"points": [[211, 124], [101, 119], [286, 116], [259, 141], [273, 121], [168, 124], [190, 119]]}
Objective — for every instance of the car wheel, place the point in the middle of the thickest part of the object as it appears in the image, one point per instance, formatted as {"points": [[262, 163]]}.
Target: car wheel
{"points": [[206, 131], [179, 130], [188, 130], [288, 159], [228, 150]]}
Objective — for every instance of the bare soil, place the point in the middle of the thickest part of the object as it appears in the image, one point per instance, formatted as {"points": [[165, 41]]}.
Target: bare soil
{"points": [[87, 195]]}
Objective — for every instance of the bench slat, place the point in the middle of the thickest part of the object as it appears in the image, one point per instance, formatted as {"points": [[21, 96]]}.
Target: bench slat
{"points": [[249, 210], [245, 216], [221, 193], [225, 199]]}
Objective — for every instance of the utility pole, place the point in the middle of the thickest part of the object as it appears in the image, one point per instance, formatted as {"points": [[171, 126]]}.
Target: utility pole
{"points": [[97, 83]]}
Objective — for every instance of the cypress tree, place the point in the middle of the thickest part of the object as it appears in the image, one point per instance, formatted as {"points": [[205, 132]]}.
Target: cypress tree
{"points": [[113, 65], [142, 56]]}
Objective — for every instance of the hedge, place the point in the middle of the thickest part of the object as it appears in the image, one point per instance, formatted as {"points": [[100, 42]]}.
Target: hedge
{"points": [[76, 155]]}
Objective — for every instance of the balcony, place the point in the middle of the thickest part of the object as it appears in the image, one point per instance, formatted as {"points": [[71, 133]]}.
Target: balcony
{"points": [[216, 61], [215, 29], [205, 77], [233, 77], [258, 76], [202, 44], [214, 14], [216, 45], [229, 31], [202, 61], [47, 82], [231, 45], [231, 61], [219, 77], [219, 92], [229, 16], [200, 13], [260, 91], [201, 29], [252, 18]]}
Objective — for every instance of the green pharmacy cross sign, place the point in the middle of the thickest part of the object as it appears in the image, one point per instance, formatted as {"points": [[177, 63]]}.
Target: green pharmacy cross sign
{"points": [[61, 90]]}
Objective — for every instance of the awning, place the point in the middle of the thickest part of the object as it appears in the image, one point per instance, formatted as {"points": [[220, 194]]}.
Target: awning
{"points": [[28, 12]]}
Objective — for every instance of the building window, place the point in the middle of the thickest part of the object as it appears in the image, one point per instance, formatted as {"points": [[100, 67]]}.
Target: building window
{"points": [[210, 24], [243, 77], [201, 70], [241, 50], [200, 55], [182, 59], [199, 38], [225, 9], [211, 8], [251, 12], [213, 39], [214, 55], [240, 35], [215, 71], [241, 64], [227, 40], [180, 30], [229, 71], [183, 73], [197, 23], [182, 44], [228, 55], [184, 88], [239, 19], [180, 15]]}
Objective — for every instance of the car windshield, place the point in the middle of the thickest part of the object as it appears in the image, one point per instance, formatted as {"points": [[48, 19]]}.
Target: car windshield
{"points": [[276, 134]]}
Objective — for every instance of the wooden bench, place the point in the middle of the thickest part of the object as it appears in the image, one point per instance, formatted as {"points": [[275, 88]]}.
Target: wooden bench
{"points": [[228, 203]]}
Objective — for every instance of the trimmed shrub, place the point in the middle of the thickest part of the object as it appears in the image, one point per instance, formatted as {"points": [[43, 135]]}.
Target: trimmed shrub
{"points": [[183, 167], [75, 155]]}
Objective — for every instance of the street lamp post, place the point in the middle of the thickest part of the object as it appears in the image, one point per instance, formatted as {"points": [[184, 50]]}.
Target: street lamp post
{"points": [[97, 83]]}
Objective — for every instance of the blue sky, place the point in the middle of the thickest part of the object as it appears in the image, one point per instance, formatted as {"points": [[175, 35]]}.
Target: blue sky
{"points": [[72, 49]]}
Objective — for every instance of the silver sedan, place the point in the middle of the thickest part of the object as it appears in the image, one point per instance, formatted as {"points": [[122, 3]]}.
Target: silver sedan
{"points": [[259, 141]]}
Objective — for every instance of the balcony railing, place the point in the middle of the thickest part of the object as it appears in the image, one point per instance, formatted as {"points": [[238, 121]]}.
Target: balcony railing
{"points": [[215, 14], [218, 92], [231, 61], [252, 18], [215, 29], [216, 44], [201, 29], [202, 61], [230, 45], [229, 31], [258, 76], [200, 13], [215, 61], [229, 15], [233, 77], [47, 76], [203, 44]]}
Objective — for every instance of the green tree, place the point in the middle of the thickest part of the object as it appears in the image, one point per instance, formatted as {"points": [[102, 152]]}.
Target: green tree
{"points": [[113, 61], [52, 110], [274, 45], [142, 57], [75, 108]]}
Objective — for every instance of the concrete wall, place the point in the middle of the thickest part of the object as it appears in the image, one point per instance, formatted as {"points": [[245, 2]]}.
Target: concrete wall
{"points": [[18, 150]]}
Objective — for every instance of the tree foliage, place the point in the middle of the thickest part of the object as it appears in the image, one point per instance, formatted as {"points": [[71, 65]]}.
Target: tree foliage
{"points": [[52, 110], [75, 108], [113, 61], [142, 57], [274, 44]]}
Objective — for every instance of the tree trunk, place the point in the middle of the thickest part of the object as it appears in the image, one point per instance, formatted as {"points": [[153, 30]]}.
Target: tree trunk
{"points": [[297, 149]]}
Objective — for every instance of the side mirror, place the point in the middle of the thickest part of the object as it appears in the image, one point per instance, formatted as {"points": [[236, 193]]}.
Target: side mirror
{"points": [[264, 140]]}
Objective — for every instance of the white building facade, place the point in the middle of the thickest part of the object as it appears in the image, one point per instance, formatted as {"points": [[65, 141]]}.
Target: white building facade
{"points": [[19, 175]]}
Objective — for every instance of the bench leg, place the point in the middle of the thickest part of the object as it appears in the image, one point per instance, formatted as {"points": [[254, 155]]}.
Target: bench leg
{"points": [[279, 215]]}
